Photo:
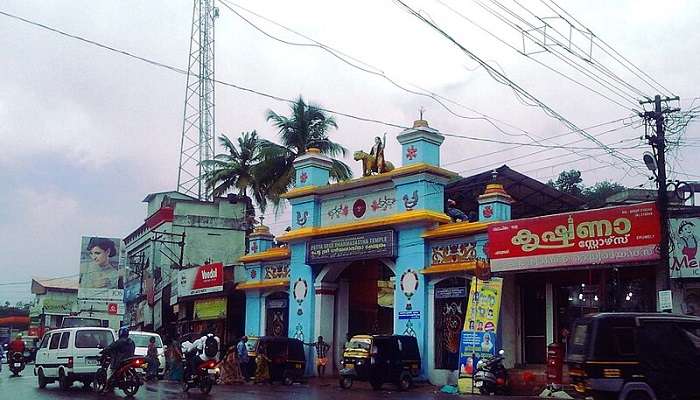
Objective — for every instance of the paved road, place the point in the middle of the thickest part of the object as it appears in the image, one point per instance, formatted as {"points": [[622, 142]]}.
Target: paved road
{"points": [[25, 387]]}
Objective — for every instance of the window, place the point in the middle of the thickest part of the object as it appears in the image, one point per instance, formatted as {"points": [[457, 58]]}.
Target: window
{"points": [[143, 340], [693, 333], [580, 332], [64, 340], [625, 341], [45, 340], [54, 341], [93, 339]]}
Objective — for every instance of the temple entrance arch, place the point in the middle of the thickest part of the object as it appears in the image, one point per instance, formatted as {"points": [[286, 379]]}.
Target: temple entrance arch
{"points": [[354, 298]]}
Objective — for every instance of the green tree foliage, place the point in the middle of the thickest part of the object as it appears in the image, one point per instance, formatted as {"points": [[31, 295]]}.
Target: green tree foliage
{"points": [[265, 170], [595, 195], [307, 126], [238, 169], [571, 182]]}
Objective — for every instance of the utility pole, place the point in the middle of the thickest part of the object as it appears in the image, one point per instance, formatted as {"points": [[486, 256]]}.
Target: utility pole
{"points": [[658, 144]]}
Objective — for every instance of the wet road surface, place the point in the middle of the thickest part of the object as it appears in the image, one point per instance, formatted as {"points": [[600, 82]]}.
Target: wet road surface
{"points": [[25, 387]]}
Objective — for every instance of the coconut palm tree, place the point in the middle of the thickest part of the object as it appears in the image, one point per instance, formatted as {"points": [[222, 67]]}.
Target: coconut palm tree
{"points": [[306, 127], [238, 169]]}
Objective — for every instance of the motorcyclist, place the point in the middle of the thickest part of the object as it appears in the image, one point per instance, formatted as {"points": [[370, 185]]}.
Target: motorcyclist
{"points": [[16, 346], [120, 350], [203, 349]]}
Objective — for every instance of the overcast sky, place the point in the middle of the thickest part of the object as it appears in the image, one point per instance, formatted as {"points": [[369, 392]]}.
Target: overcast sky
{"points": [[86, 133]]}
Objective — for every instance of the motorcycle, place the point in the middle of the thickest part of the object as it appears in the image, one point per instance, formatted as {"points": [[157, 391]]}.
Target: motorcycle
{"points": [[204, 376], [16, 363], [491, 376], [125, 376]]}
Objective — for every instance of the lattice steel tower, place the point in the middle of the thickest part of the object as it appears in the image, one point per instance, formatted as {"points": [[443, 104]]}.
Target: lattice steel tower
{"points": [[198, 131]]}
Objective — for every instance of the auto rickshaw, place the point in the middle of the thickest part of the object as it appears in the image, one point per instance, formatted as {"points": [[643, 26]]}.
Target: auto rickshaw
{"points": [[635, 356], [379, 359], [287, 358]]}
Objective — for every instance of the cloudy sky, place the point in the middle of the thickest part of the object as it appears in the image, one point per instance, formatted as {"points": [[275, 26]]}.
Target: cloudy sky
{"points": [[86, 133]]}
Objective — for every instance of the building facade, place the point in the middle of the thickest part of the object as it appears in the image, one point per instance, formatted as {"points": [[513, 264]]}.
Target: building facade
{"points": [[54, 299], [181, 239], [378, 254]]}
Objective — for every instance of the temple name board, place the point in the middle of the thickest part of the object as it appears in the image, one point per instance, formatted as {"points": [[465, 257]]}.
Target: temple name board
{"points": [[352, 247]]}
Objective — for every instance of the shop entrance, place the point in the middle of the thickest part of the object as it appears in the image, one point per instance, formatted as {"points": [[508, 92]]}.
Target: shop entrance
{"points": [[534, 306]]}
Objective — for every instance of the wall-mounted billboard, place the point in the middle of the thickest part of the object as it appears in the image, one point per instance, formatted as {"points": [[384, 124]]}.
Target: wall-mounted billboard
{"points": [[101, 269]]}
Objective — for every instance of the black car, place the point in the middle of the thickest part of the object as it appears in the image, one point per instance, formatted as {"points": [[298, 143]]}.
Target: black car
{"points": [[381, 359], [637, 356]]}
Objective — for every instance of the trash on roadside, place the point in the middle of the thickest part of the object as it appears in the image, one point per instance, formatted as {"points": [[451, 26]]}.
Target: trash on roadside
{"points": [[556, 393], [449, 389]]}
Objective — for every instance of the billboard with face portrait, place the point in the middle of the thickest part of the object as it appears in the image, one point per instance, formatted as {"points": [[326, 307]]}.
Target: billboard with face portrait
{"points": [[101, 269]]}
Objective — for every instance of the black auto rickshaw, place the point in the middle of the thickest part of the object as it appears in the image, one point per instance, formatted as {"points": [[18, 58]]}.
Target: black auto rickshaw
{"points": [[287, 358], [379, 359], [627, 356]]}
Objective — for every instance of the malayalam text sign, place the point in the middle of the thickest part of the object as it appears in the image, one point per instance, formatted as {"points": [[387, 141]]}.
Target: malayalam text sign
{"points": [[601, 236], [352, 247]]}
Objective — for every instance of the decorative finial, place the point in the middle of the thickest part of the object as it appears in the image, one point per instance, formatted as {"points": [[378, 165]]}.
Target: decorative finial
{"points": [[494, 175], [420, 123], [262, 218]]}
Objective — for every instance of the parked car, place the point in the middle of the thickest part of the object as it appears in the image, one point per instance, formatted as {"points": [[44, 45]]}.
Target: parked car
{"points": [[381, 359], [141, 341], [635, 356], [68, 355]]}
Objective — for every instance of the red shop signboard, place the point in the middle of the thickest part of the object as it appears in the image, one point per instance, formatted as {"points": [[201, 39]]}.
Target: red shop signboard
{"points": [[603, 236], [208, 278]]}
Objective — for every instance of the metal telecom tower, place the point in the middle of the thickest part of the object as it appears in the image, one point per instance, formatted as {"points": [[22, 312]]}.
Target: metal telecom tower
{"points": [[197, 142]]}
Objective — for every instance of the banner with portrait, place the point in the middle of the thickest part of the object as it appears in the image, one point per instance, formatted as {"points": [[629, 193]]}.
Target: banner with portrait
{"points": [[479, 336], [101, 268], [683, 260]]}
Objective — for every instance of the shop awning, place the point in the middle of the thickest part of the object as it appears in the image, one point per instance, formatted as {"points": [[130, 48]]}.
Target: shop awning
{"points": [[451, 267], [266, 284]]}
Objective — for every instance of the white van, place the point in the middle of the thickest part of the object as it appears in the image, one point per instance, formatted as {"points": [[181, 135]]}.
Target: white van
{"points": [[141, 341], [68, 355]]}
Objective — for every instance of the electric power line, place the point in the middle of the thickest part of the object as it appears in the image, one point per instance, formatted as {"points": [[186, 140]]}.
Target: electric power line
{"points": [[282, 99], [501, 78], [584, 28]]}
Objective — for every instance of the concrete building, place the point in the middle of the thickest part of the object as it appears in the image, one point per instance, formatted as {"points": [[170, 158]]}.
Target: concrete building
{"points": [[54, 298], [179, 235]]}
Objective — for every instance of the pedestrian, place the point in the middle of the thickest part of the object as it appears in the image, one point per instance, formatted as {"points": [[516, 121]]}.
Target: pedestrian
{"points": [[174, 360], [243, 359], [230, 368], [152, 359], [262, 365], [321, 355]]}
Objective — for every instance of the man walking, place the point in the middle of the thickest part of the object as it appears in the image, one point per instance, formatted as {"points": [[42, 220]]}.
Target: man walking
{"points": [[321, 355]]}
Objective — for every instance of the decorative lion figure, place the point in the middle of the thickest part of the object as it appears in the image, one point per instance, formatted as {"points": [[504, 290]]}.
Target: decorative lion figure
{"points": [[369, 163]]}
